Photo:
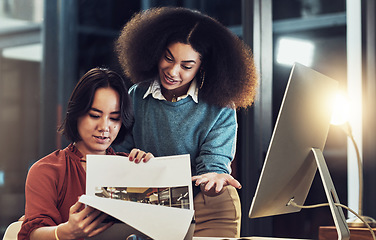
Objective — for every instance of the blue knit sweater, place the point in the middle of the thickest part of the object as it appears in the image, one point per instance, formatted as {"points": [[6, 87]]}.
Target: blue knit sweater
{"points": [[206, 132]]}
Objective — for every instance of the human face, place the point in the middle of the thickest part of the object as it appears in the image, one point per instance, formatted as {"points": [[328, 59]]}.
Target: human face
{"points": [[178, 66], [99, 127]]}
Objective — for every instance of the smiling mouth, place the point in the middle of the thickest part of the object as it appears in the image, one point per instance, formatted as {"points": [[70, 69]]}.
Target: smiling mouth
{"points": [[170, 79], [100, 137]]}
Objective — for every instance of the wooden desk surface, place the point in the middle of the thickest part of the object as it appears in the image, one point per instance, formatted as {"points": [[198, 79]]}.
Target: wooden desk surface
{"points": [[330, 233]]}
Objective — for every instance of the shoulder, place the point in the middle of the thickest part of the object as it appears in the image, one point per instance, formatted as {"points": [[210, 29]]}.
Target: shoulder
{"points": [[208, 116], [139, 88], [49, 164], [216, 110], [136, 93], [223, 117], [51, 158]]}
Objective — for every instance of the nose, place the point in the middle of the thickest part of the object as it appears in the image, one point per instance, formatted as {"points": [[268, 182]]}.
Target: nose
{"points": [[104, 125], [174, 70]]}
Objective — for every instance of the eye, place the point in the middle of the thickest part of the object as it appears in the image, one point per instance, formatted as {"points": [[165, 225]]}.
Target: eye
{"points": [[116, 119], [168, 58], [94, 115], [186, 67]]}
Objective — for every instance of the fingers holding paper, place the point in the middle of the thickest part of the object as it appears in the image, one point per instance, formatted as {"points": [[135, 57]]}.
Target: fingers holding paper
{"points": [[138, 155], [84, 222]]}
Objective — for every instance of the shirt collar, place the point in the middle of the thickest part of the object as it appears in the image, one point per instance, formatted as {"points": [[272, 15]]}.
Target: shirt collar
{"points": [[155, 90]]}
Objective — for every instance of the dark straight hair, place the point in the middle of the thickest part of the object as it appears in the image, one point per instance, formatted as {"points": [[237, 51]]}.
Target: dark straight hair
{"points": [[82, 98]]}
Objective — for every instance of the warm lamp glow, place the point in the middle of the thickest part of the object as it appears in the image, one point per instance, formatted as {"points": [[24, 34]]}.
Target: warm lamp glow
{"points": [[341, 109], [341, 116], [290, 50]]}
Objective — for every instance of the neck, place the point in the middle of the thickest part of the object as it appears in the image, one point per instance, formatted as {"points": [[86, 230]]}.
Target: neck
{"points": [[84, 151], [172, 95]]}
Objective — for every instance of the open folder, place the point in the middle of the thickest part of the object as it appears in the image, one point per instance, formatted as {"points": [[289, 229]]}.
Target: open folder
{"points": [[155, 198]]}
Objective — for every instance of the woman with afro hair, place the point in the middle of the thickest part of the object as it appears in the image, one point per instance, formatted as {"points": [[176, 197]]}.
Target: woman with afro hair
{"points": [[190, 75]]}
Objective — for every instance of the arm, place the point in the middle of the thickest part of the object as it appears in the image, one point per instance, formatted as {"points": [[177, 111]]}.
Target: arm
{"points": [[50, 195], [41, 193], [83, 223], [216, 153]]}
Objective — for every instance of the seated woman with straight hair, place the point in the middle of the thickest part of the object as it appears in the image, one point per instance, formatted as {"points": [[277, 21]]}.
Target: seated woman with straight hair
{"points": [[99, 114]]}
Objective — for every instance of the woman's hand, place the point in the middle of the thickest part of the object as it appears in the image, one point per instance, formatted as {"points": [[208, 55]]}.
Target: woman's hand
{"points": [[83, 223], [212, 183], [138, 155]]}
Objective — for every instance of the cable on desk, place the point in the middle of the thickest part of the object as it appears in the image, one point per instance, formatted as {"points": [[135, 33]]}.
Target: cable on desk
{"points": [[291, 202]]}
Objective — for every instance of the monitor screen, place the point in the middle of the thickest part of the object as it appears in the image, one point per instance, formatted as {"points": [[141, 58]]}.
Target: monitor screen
{"points": [[302, 124]]}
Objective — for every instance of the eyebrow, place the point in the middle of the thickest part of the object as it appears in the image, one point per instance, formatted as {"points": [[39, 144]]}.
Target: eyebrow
{"points": [[186, 61], [97, 110]]}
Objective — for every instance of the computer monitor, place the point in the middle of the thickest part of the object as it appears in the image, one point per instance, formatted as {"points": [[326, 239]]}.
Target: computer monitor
{"points": [[295, 149]]}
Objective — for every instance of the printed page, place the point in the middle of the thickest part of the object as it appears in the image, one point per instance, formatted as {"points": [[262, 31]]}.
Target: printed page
{"points": [[154, 197]]}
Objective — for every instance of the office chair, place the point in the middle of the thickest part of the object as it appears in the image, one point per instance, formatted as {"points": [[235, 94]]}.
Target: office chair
{"points": [[12, 231]]}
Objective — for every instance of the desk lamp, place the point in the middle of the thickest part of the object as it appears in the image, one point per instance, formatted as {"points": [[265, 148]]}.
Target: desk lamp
{"points": [[340, 118]]}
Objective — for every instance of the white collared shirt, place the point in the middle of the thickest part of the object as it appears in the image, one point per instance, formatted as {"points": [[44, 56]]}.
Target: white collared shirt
{"points": [[155, 90]]}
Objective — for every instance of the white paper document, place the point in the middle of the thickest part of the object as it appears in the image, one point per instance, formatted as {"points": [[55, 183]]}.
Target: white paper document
{"points": [[155, 197]]}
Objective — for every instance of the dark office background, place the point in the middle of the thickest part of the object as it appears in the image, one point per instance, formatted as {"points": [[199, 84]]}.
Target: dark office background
{"points": [[76, 35]]}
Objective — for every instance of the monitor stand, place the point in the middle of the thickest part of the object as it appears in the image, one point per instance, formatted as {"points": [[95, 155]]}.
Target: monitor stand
{"points": [[337, 213]]}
